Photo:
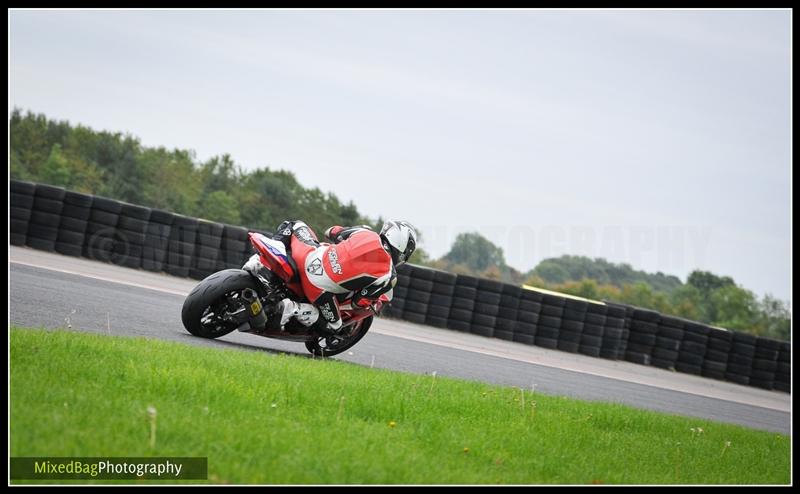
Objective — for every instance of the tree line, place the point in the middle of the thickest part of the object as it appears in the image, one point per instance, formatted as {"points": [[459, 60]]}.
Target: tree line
{"points": [[117, 165], [705, 296]]}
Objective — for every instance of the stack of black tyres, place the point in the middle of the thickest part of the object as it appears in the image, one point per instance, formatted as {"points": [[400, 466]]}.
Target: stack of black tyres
{"points": [[234, 249], [506, 321], [626, 330], [716, 360], [74, 223], [441, 299], [465, 293], [694, 345], [487, 306], [206, 252], [48, 201], [571, 330], [21, 203], [101, 230], [783, 371], [418, 294], [740, 358], [528, 310], [552, 310], [156, 240], [642, 336], [593, 329], [52, 219], [396, 306], [668, 342], [611, 346], [131, 230], [181, 247], [765, 363]]}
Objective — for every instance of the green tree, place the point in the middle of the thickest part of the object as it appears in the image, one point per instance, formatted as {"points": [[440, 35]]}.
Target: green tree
{"points": [[775, 318], [18, 170], [349, 215], [576, 268], [118, 156], [221, 206], [706, 282], [220, 173], [71, 172], [640, 294], [476, 252], [171, 182], [56, 169], [28, 142], [734, 308], [685, 303], [421, 257], [551, 272]]}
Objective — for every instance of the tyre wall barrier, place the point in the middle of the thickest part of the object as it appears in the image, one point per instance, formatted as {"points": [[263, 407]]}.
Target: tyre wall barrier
{"points": [[53, 219], [600, 329]]}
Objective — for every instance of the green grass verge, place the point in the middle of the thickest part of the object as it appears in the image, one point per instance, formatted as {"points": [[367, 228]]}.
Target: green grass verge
{"points": [[275, 419]]}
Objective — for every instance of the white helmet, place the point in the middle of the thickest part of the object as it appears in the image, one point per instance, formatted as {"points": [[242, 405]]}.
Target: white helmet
{"points": [[399, 239]]}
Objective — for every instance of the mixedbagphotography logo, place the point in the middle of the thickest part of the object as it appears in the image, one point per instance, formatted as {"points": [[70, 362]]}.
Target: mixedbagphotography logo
{"points": [[101, 468]]}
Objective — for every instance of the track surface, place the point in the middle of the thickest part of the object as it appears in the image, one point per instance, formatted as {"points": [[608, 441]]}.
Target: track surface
{"points": [[55, 291]]}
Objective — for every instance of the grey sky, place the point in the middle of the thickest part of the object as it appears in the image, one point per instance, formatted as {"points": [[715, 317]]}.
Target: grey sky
{"points": [[656, 138]]}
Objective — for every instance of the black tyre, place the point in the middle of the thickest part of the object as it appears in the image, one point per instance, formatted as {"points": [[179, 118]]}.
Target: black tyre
{"points": [[440, 300], [421, 285], [443, 289], [567, 346], [24, 201], [530, 306], [544, 342], [20, 187], [201, 309], [486, 309], [551, 311], [504, 335], [527, 317], [438, 311], [589, 350], [524, 338], [491, 298], [458, 325], [327, 346], [463, 304], [435, 321], [419, 296], [467, 292], [22, 214]]}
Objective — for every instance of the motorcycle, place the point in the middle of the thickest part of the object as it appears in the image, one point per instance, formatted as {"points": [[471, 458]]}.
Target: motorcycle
{"points": [[246, 299]]}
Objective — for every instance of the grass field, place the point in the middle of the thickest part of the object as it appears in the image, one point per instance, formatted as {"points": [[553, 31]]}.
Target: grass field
{"points": [[277, 419]]}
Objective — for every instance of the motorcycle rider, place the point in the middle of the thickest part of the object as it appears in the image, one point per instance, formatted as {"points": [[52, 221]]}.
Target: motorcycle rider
{"points": [[357, 260]]}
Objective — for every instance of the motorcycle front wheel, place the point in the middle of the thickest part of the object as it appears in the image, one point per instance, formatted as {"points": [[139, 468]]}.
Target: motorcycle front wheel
{"points": [[327, 346]]}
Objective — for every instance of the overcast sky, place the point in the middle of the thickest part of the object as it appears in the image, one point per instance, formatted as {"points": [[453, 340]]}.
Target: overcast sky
{"points": [[658, 138]]}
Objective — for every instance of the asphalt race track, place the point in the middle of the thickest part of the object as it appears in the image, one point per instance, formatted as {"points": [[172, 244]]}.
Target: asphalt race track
{"points": [[56, 291]]}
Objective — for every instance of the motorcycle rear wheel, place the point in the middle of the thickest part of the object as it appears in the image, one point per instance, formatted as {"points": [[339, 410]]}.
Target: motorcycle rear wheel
{"points": [[215, 294]]}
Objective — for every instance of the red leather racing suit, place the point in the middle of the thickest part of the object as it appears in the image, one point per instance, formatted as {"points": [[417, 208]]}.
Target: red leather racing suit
{"points": [[356, 262]]}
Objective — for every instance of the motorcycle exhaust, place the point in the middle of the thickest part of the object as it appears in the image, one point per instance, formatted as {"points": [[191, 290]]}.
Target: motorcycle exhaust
{"points": [[257, 319]]}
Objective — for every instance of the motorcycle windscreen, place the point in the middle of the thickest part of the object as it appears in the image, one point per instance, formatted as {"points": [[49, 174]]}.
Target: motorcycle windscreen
{"points": [[273, 255]]}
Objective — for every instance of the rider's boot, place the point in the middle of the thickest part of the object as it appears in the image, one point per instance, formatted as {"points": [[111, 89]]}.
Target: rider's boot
{"points": [[305, 313]]}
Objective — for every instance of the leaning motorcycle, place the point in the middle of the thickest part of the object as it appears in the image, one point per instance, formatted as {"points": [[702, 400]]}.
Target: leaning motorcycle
{"points": [[246, 299]]}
